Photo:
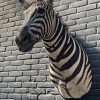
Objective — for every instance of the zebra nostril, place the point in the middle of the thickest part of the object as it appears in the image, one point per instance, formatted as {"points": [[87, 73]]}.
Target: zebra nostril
{"points": [[24, 38]]}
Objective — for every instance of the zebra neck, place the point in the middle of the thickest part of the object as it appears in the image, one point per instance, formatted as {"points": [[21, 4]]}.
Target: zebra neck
{"points": [[53, 39], [55, 44], [52, 43]]}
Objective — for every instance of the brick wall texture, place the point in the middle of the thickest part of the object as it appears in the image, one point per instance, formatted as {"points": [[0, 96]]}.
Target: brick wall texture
{"points": [[24, 76]]}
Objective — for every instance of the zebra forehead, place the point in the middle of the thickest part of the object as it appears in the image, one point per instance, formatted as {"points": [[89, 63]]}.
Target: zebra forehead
{"points": [[30, 10]]}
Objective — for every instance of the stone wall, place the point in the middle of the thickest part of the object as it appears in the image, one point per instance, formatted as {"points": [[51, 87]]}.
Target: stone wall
{"points": [[24, 76]]}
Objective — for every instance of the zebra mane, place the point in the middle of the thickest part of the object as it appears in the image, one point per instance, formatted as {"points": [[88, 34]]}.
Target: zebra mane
{"points": [[64, 24]]}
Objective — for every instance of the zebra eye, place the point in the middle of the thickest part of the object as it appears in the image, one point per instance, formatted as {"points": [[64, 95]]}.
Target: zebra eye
{"points": [[41, 10]]}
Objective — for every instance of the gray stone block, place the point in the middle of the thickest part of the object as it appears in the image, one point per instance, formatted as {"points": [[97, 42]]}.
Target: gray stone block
{"points": [[17, 18], [14, 96], [11, 48], [87, 7], [61, 8], [4, 4], [15, 73], [46, 97], [29, 85], [14, 28], [6, 34], [23, 57], [23, 79], [3, 96], [38, 78], [33, 61], [6, 44], [77, 16], [1, 69], [93, 1], [93, 24], [86, 20], [3, 40], [21, 90], [7, 25], [95, 57], [86, 32], [94, 37], [37, 91], [10, 58], [9, 15], [1, 17], [30, 73], [93, 12], [98, 5], [45, 85], [4, 74], [89, 44], [1, 9], [1, 79], [2, 49], [3, 21], [16, 52], [94, 50], [98, 43], [3, 30], [23, 68], [1, 59], [3, 85], [7, 90], [8, 79], [39, 67], [9, 6], [77, 27], [43, 72], [9, 68], [17, 23], [14, 84], [5, 54], [78, 4], [16, 63], [5, 63], [29, 97], [14, 10], [98, 30], [67, 12]]}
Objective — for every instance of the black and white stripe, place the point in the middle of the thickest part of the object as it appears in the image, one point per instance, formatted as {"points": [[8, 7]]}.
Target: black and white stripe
{"points": [[69, 67]]}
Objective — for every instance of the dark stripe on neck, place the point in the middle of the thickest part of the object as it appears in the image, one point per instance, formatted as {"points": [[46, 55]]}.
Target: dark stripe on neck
{"points": [[83, 70], [61, 55], [77, 70], [73, 59], [54, 48], [56, 32]]}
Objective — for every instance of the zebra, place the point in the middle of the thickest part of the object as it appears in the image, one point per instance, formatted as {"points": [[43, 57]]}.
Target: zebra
{"points": [[69, 67]]}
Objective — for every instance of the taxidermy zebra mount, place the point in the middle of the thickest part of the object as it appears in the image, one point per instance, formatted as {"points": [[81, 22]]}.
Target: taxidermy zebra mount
{"points": [[69, 67]]}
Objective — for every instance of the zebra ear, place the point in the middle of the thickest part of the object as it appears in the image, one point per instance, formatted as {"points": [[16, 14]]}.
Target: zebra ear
{"points": [[21, 1], [25, 3], [50, 2], [39, 2]]}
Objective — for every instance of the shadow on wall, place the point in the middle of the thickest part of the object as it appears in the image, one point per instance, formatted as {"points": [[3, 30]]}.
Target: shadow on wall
{"points": [[94, 56]]}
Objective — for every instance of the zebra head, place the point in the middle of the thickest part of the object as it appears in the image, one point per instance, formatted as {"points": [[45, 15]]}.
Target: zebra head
{"points": [[39, 20]]}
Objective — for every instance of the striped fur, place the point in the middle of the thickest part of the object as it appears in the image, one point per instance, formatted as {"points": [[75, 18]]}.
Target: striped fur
{"points": [[69, 67]]}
